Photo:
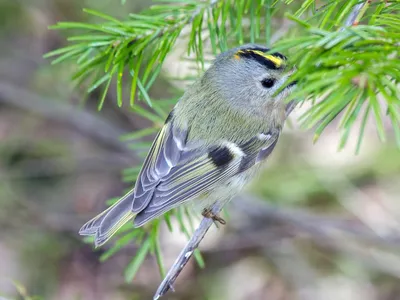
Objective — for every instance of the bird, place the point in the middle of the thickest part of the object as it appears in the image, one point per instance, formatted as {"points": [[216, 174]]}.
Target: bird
{"points": [[213, 142]]}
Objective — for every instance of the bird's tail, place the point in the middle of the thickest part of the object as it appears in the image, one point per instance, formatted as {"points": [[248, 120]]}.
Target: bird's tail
{"points": [[106, 224]]}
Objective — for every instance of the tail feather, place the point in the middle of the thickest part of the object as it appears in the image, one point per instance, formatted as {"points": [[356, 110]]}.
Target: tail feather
{"points": [[107, 223]]}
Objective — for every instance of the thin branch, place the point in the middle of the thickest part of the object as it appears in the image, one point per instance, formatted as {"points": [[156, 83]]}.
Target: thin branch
{"points": [[354, 15], [186, 254]]}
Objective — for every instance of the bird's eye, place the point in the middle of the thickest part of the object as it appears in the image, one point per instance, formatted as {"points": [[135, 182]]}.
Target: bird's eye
{"points": [[268, 82]]}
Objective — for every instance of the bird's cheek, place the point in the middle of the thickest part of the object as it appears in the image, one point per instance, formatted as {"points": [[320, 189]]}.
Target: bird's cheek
{"points": [[268, 107]]}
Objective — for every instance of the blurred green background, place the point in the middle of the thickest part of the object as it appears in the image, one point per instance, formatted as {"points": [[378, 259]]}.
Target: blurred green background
{"points": [[318, 224]]}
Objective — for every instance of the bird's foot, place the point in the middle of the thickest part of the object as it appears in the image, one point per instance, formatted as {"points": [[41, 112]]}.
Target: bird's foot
{"points": [[215, 217]]}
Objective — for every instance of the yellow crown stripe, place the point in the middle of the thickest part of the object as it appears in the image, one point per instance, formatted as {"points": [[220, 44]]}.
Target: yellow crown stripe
{"points": [[276, 60]]}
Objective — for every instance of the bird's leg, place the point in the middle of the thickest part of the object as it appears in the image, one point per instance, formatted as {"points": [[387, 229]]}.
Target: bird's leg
{"points": [[215, 217]]}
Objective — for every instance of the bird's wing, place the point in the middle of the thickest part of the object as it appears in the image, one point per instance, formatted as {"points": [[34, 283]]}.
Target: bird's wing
{"points": [[165, 154], [173, 174]]}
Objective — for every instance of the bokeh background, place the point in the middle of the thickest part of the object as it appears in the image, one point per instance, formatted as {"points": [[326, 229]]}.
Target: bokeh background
{"points": [[318, 223]]}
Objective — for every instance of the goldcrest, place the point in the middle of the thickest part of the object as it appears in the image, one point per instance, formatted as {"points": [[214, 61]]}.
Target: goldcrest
{"points": [[213, 142]]}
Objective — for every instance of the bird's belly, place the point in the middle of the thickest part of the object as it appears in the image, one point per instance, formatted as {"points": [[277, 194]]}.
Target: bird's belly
{"points": [[225, 192]]}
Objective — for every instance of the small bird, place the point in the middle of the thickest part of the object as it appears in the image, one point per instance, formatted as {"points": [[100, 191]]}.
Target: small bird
{"points": [[212, 143]]}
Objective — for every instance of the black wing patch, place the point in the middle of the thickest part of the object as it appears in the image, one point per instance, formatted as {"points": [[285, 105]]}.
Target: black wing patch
{"points": [[220, 156]]}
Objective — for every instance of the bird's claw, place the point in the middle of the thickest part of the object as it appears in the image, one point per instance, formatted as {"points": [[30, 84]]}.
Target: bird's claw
{"points": [[215, 217]]}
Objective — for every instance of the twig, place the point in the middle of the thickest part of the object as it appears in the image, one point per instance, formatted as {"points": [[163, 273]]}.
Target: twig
{"points": [[186, 254], [354, 15]]}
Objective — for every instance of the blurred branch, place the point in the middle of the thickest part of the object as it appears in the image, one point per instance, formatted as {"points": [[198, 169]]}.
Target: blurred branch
{"points": [[318, 227], [348, 194], [82, 121], [63, 166]]}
